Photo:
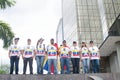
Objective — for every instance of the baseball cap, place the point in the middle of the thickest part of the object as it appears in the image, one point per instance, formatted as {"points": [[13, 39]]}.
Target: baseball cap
{"points": [[16, 38]]}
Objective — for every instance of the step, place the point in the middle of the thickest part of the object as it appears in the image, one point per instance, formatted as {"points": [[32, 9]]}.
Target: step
{"points": [[101, 76]]}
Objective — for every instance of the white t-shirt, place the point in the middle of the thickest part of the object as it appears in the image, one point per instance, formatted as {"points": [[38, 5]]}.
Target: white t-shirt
{"points": [[94, 52], [75, 52], [51, 51], [85, 53], [14, 50], [64, 52], [28, 51], [40, 50]]}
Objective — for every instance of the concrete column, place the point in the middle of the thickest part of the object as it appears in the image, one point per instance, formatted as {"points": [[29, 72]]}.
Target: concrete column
{"points": [[118, 54]]}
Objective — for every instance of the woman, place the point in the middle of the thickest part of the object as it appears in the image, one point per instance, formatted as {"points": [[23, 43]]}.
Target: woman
{"points": [[40, 55], [85, 58]]}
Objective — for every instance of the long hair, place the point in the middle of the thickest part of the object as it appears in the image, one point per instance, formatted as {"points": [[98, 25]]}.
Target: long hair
{"points": [[84, 44]]}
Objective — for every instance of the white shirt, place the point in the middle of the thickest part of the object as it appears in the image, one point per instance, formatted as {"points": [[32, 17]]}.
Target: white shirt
{"points": [[85, 53], [75, 52], [40, 50], [14, 50], [51, 51], [64, 52], [28, 51], [94, 52]]}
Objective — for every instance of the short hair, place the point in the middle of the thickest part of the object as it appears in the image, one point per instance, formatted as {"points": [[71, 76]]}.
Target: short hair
{"points": [[28, 39], [61, 45], [91, 41], [51, 39], [83, 42], [64, 41], [74, 42]]}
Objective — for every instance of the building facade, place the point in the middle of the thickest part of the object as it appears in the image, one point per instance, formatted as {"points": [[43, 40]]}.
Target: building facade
{"points": [[109, 11], [60, 32], [81, 21], [89, 23], [69, 20], [97, 20], [110, 19]]}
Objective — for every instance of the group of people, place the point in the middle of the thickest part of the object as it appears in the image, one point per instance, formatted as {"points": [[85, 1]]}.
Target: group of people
{"points": [[88, 55]]}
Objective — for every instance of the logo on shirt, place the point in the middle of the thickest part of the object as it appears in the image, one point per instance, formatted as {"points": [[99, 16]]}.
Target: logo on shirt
{"points": [[85, 53], [28, 52], [64, 49], [15, 50], [40, 51], [75, 53], [94, 53], [52, 53], [64, 53]]}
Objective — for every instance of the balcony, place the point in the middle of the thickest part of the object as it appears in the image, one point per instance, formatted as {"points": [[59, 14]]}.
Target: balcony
{"points": [[109, 44]]}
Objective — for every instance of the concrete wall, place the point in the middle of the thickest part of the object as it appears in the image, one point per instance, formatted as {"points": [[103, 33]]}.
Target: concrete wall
{"points": [[114, 63], [103, 76]]}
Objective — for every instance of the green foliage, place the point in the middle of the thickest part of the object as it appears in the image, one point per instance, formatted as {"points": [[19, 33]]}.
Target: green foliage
{"points": [[6, 34], [5, 31], [4, 69], [6, 3]]}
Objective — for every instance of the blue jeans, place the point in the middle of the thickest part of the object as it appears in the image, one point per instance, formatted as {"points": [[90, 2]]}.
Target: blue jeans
{"points": [[86, 65], [50, 62], [39, 60], [65, 61], [75, 64], [95, 65], [14, 59]]}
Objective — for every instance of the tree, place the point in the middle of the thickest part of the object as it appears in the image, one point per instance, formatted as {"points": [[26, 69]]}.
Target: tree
{"points": [[6, 3], [6, 33], [4, 69]]}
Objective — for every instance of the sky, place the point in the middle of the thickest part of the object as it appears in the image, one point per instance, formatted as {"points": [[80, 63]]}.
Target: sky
{"points": [[31, 19]]}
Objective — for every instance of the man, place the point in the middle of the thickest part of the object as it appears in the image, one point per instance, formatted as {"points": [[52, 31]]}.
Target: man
{"points": [[75, 57], [95, 57], [65, 57], [52, 56], [14, 54], [40, 55], [28, 55]]}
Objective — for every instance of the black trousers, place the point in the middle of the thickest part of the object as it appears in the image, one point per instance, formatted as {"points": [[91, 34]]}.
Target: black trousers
{"points": [[14, 60], [75, 63], [25, 61]]}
